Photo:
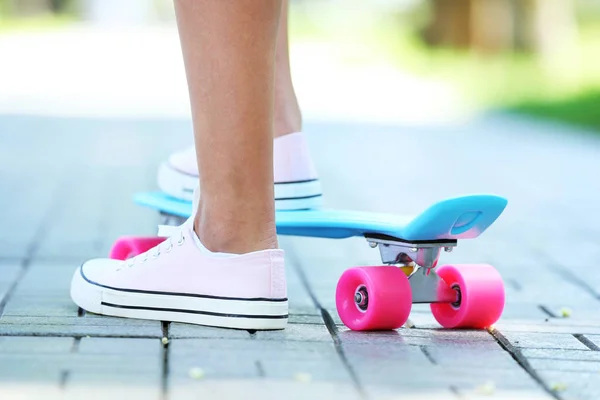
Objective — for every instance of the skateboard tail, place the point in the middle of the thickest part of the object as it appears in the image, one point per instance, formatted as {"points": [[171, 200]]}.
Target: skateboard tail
{"points": [[464, 217]]}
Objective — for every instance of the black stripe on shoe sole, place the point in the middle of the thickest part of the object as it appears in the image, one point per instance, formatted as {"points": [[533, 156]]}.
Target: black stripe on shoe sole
{"points": [[202, 296], [177, 310], [292, 182], [298, 198]]}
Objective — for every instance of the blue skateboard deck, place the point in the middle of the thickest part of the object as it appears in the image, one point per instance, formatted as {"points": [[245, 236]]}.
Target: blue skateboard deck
{"points": [[464, 217]]}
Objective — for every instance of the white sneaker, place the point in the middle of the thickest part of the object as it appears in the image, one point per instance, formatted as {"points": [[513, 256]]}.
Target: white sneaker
{"points": [[297, 185], [180, 280]]}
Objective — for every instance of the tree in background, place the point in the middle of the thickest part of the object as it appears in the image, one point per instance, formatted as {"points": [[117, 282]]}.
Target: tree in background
{"points": [[539, 26], [29, 8]]}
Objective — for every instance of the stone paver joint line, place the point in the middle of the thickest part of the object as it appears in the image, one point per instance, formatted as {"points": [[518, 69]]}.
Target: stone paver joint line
{"points": [[333, 330], [515, 284], [260, 369], [165, 360], [569, 276], [587, 342], [331, 327], [548, 311], [76, 343], [12, 288], [456, 392], [518, 356], [427, 354], [64, 377]]}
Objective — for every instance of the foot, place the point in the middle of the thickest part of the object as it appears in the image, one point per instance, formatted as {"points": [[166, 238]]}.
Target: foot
{"points": [[297, 185], [180, 280]]}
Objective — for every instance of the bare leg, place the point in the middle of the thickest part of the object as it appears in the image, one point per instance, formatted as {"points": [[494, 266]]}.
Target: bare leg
{"points": [[229, 55], [287, 118]]}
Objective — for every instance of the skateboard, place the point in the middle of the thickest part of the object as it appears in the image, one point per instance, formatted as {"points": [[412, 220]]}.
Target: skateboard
{"points": [[380, 297]]}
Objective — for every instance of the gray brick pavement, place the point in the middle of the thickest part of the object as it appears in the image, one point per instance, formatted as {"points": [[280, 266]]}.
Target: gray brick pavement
{"points": [[68, 203]]}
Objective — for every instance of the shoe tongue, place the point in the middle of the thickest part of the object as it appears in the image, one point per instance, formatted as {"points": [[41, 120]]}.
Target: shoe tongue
{"points": [[171, 230]]}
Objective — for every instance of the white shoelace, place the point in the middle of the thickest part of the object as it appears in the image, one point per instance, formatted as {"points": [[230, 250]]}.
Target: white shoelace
{"points": [[164, 247]]}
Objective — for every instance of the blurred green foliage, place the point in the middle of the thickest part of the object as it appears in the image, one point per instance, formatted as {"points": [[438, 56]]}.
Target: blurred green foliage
{"points": [[34, 15], [580, 109], [563, 86]]}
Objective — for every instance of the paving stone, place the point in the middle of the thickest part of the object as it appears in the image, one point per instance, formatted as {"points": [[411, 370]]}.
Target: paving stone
{"points": [[541, 364], [8, 274], [516, 309], [551, 325], [297, 332], [544, 341], [594, 339], [41, 390], [23, 374], [562, 354], [147, 365], [368, 356], [389, 374], [242, 359], [107, 364], [468, 357], [332, 311], [298, 317], [489, 390], [49, 277], [36, 306], [298, 296], [14, 247], [573, 385], [88, 387], [180, 331], [73, 326], [120, 346], [422, 337], [323, 262], [442, 336], [35, 345], [266, 389], [574, 309]]}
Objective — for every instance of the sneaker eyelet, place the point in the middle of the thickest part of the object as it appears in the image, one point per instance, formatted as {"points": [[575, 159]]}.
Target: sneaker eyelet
{"points": [[181, 241], [155, 255]]}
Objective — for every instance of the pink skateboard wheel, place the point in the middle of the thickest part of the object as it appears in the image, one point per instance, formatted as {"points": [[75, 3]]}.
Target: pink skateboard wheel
{"points": [[481, 296], [373, 298], [130, 246]]}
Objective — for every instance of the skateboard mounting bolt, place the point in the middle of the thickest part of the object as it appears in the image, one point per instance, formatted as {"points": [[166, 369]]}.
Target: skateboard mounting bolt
{"points": [[373, 244], [413, 250], [448, 249]]}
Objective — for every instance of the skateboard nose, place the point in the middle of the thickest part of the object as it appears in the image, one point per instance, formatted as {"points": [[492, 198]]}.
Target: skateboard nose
{"points": [[465, 222]]}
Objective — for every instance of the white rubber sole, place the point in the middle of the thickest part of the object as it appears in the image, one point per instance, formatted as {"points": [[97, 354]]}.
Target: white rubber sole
{"points": [[297, 195], [253, 314]]}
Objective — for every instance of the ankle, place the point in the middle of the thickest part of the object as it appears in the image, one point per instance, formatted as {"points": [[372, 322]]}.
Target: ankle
{"points": [[220, 235], [287, 117]]}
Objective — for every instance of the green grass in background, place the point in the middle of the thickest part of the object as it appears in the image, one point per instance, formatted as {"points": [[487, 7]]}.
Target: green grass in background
{"points": [[35, 23], [580, 109], [564, 87]]}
